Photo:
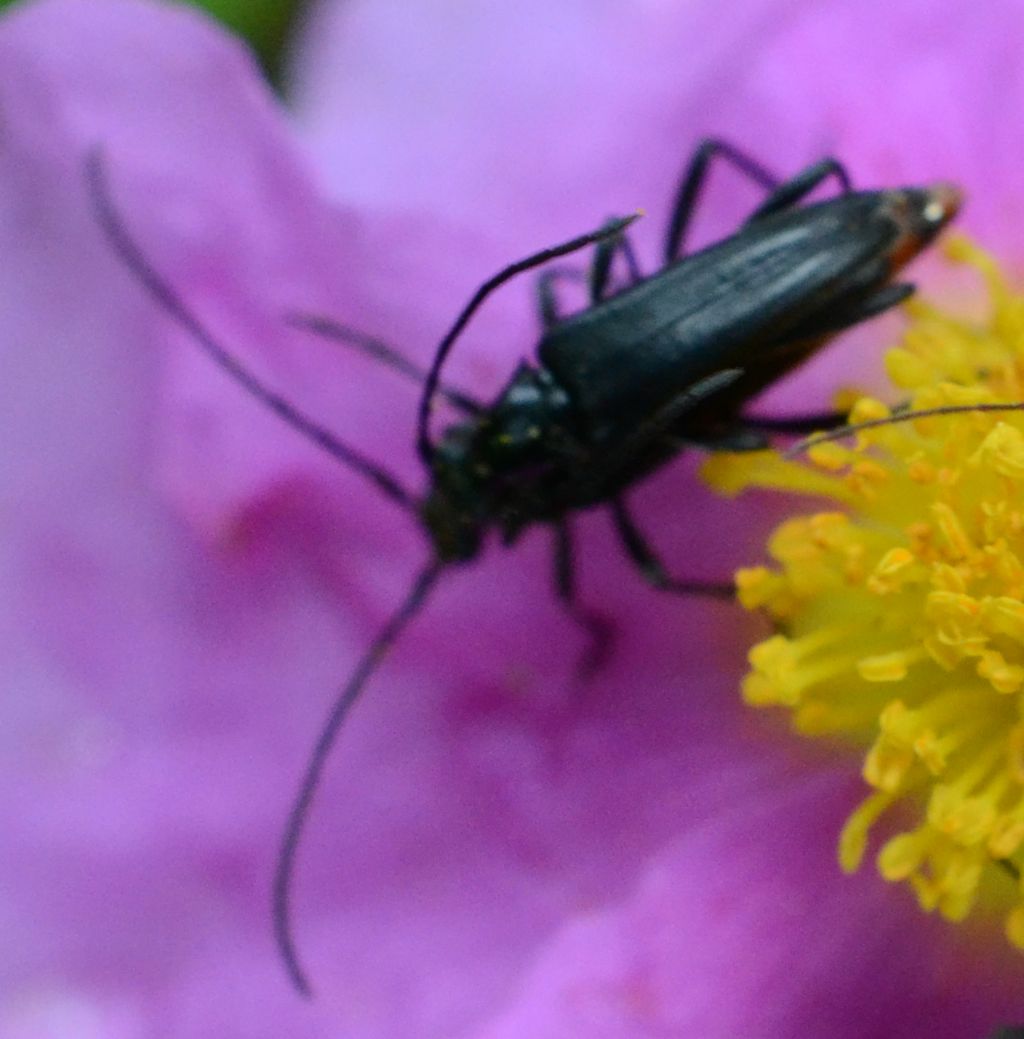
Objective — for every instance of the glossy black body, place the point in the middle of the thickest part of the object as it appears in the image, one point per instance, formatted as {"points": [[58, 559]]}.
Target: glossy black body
{"points": [[623, 385]]}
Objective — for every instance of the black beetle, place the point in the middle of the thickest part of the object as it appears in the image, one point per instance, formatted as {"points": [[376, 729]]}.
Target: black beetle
{"points": [[620, 389]]}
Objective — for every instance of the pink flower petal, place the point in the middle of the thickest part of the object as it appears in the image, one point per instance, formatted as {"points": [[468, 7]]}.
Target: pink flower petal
{"points": [[534, 121], [790, 949]]}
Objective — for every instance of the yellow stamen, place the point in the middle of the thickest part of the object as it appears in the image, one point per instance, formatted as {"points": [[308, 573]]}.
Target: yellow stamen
{"points": [[900, 620]]}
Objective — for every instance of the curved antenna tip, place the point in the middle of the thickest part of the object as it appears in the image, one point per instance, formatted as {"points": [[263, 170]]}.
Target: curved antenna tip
{"points": [[298, 814]]}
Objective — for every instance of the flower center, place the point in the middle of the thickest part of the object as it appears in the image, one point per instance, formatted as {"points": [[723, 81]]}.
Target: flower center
{"points": [[900, 613]]}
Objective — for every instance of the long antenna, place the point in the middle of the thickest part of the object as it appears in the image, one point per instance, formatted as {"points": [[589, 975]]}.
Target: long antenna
{"points": [[159, 289], [608, 230], [298, 814], [894, 420]]}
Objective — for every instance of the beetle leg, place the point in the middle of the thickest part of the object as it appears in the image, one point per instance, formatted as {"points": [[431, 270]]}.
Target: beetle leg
{"points": [[692, 184], [652, 568], [839, 318], [796, 425], [376, 348], [796, 188], [735, 438], [597, 628], [550, 314], [600, 270]]}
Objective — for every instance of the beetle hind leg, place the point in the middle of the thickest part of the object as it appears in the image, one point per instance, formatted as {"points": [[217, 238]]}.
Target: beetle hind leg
{"points": [[796, 425], [798, 187], [692, 185], [839, 318]]}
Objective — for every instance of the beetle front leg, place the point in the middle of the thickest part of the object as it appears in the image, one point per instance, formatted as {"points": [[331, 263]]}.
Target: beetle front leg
{"points": [[597, 277], [692, 184], [652, 568], [547, 297], [599, 274], [598, 629]]}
